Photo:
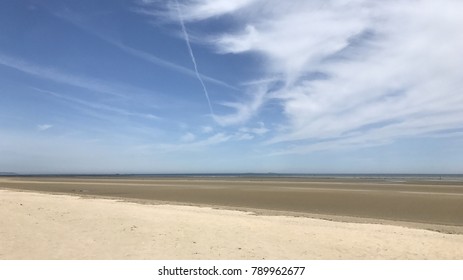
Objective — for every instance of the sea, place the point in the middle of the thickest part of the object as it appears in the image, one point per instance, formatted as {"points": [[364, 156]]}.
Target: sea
{"points": [[324, 176]]}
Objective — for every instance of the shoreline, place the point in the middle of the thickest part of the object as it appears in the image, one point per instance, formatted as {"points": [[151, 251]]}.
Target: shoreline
{"points": [[439, 228], [414, 204], [54, 226]]}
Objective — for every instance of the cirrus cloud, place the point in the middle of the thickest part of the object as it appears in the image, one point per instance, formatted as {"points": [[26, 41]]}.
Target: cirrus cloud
{"points": [[351, 73], [43, 127]]}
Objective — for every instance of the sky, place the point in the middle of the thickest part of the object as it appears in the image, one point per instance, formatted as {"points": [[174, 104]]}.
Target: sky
{"points": [[218, 86]]}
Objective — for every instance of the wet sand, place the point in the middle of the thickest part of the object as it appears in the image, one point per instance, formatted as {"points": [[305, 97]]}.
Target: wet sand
{"points": [[436, 205]]}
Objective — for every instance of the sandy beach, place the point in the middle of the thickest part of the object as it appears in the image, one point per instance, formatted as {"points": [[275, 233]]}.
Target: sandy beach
{"points": [[44, 226], [149, 219], [433, 205]]}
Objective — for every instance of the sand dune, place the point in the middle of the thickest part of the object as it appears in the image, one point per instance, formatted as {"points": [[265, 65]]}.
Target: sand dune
{"points": [[45, 226]]}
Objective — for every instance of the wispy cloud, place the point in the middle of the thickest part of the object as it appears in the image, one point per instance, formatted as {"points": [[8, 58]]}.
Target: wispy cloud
{"points": [[98, 106], [43, 127], [200, 10], [193, 59], [188, 142], [161, 62], [188, 137], [191, 142], [60, 76], [351, 73], [207, 129], [243, 111], [83, 25], [260, 129]]}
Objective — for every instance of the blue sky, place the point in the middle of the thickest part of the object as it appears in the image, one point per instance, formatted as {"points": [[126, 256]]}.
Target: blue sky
{"points": [[140, 86]]}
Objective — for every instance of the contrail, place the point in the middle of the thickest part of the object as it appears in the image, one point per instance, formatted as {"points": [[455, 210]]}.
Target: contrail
{"points": [[187, 41]]}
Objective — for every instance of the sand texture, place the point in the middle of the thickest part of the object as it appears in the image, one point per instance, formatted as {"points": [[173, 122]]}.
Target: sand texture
{"points": [[46, 226], [434, 205]]}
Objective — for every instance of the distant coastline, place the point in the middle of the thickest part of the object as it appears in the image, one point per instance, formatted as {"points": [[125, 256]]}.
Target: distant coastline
{"points": [[324, 176], [9, 174]]}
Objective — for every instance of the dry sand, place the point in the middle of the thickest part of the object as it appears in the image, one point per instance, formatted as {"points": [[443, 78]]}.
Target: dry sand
{"points": [[46, 226]]}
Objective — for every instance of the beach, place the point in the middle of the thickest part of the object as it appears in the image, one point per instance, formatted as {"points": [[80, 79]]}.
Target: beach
{"points": [[229, 218]]}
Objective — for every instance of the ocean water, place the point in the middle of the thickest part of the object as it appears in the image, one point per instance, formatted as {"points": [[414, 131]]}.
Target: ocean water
{"points": [[323, 176]]}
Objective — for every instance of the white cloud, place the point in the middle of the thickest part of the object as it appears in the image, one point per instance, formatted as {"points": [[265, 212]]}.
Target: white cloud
{"points": [[259, 130], [207, 129], [203, 9], [243, 110], [43, 127], [188, 137], [352, 73], [192, 145], [190, 142], [215, 139], [60, 76], [98, 106], [296, 40], [244, 136]]}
